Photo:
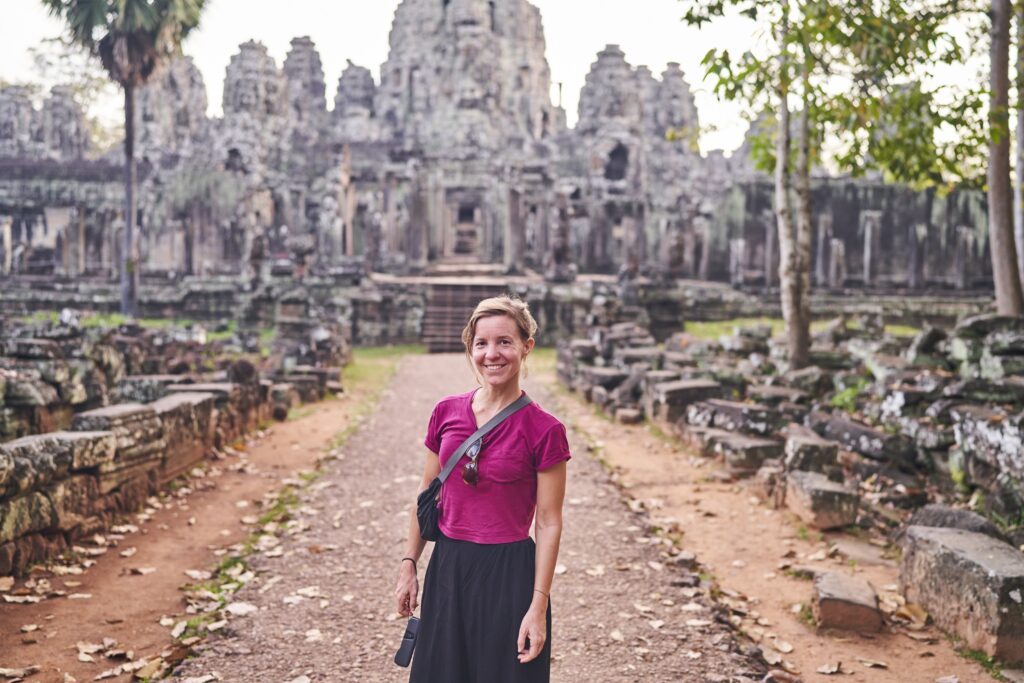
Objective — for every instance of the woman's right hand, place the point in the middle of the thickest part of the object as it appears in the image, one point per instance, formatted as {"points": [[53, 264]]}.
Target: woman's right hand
{"points": [[408, 589]]}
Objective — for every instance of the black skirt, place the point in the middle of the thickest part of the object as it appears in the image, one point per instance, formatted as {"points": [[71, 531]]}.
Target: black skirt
{"points": [[474, 599]]}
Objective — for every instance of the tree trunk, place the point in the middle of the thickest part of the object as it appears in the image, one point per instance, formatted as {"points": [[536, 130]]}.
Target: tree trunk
{"points": [[1009, 300], [129, 263], [789, 266], [799, 330], [1018, 185]]}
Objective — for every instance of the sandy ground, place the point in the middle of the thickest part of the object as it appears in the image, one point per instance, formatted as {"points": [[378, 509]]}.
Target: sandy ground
{"points": [[743, 544], [188, 531]]}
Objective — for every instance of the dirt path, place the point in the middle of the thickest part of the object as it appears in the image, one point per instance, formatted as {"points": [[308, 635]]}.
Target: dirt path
{"points": [[620, 613], [190, 530], [745, 545]]}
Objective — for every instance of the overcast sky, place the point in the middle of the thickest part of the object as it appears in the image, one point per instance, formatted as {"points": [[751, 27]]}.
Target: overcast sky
{"points": [[649, 31]]}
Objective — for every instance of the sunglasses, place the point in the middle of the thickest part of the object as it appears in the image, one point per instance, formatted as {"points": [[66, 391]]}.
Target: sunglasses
{"points": [[471, 472]]}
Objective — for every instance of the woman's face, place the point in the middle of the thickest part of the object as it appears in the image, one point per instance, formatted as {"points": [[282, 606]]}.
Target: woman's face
{"points": [[498, 351]]}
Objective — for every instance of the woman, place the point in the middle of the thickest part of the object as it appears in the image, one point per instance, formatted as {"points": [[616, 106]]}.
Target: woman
{"points": [[486, 614]]}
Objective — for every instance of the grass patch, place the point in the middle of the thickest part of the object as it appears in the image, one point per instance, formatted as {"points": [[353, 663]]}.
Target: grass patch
{"points": [[542, 359], [990, 665], [802, 533], [806, 616], [846, 399], [300, 412]]}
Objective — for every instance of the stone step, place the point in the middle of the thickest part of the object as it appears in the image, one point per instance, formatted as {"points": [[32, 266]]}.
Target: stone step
{"points": [[807, 451], [749, 418], [972, 585], [668, 401]]}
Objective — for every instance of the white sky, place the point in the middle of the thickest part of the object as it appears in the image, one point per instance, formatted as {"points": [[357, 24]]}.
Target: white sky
{"points": [[649, 31]]}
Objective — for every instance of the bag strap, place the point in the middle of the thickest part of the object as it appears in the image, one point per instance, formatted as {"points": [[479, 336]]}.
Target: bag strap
{"points": [[508, 410]]}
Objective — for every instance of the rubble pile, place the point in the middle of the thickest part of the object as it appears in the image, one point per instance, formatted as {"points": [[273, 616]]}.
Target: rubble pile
{"points": [[876, 426], [95, 421]]}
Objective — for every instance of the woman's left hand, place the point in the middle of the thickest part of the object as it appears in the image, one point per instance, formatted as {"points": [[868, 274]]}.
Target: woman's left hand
{"points": [[534, 628]]}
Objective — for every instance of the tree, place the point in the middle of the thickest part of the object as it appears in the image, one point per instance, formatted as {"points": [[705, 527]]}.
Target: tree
{"points": [[845, 63], [1009, 300], [132, 39]]}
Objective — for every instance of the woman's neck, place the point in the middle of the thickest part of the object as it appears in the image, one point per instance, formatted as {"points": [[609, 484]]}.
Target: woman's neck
{"points": [[498, 396]]}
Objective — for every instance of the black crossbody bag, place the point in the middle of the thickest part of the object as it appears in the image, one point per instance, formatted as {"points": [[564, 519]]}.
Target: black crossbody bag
{"points": [[426, 502]]}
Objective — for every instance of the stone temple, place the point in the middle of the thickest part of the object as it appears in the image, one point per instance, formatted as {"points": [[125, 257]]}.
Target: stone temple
{"points": [[455, 160]]}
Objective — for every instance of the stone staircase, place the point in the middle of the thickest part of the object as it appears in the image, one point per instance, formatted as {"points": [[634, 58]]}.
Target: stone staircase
{"points": [[449, 305]]}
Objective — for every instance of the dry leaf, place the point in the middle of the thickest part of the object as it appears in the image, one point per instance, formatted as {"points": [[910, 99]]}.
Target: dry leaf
{"points": [[6, 583], [829, 669], [20, 673], [772, 657], [872, 663], [560, 568], [597, 570], [782, 646], [616, 635]]}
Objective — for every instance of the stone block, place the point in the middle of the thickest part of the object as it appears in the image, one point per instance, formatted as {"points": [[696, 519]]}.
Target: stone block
{"points": [[861, 438], [811, 379], [33, 462], [629, 416], [583, 350], [745, 454], [145, 388], [32, 348], [807, 451], [74, 500], [1007, 390], [991, 366], [668, 400], [980, 326], [774, 395], [21, 515], [822, 503], [992, 436], [188, 425], [140, 441], [927, 433], [971, 584], [678, 360], [749, 418], [652, 356], [701, 439], [29, 392], [943, 516], [769, 484], [609, 378], [845, 602]]}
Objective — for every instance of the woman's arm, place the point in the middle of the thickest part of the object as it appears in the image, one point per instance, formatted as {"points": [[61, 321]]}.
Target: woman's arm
{"points": [[548, 531], [408, 588]]}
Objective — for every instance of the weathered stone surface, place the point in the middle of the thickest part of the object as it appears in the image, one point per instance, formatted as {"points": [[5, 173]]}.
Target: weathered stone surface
{"points": [[37, 460], [773, 395], [811, 379], [991, 366], [609, 378], [24, 514], [979, 326], [822, 503], [187, 420], [807, 451], [745, 454], [861, 438], [924, 344], [749, 418], [630, 356], [845, 602], [629, 416], [769, 484], [1008, 390], [29, 392], [139, 436], [943, 516], [992, 436], [987, 607], [583, 350], [668, 401], [145, 388], [32, 348]]}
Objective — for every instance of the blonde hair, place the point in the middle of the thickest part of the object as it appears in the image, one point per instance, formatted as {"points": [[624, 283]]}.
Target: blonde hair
{"points": [[506, 305]]}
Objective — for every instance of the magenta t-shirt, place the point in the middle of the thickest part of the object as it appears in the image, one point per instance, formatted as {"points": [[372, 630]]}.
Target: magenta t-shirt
{"points": [[500, 508]]}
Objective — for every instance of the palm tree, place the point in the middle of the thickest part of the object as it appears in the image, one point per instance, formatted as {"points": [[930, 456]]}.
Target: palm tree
{"points": [[132, 39]]}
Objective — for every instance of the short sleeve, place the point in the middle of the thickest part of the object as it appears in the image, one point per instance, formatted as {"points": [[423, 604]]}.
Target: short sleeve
{"points": [[552, 448], [433, 438]]}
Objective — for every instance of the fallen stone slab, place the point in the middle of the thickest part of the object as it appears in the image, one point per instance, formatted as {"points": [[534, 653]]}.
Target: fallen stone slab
{"points": [[991, 366], [32, 348], [977, 390], [992, 436], [845, 602], [979, 326], [943, 516], [629, 416], [745, 454], [811, 379], [583, 349], [861, 438], [774, 395], [769, 484], [609, 378], [819, 501], [701, 439], [24, 391], [145, 388], [749, 418], [806, 450], [668, 400], [652, 356], [971, 584], [1005, 342]]}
